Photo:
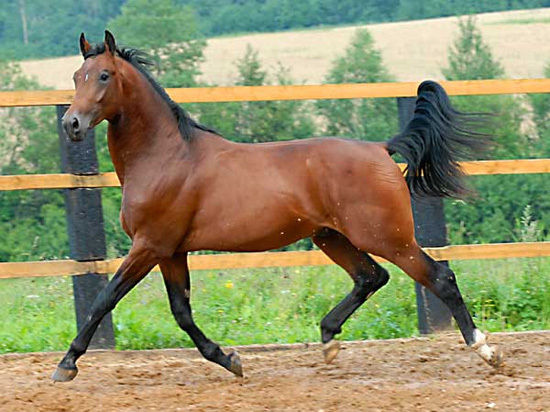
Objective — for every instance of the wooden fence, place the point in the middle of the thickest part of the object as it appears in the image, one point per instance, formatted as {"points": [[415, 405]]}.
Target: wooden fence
{"points": [[303, 92]]}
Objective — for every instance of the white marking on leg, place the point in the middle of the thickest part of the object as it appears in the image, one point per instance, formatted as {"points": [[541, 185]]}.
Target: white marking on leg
{"points": [[481, 347]]}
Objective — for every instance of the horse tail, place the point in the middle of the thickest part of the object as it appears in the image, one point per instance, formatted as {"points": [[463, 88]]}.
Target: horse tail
{"points": [[434, 141]]}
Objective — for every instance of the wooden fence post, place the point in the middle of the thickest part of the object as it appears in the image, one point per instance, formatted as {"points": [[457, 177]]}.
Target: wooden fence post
{"points": [[430, 231], [85, 229]]}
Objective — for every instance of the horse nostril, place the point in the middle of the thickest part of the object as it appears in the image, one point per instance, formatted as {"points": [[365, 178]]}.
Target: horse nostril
{"points": [[75, 124]]}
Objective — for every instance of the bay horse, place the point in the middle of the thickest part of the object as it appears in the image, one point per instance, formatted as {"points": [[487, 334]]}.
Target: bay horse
{"points": [[185, 188]]}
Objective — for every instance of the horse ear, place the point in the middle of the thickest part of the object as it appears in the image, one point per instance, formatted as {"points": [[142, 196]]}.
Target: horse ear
{"points": [[110, 42], [84, 45]]}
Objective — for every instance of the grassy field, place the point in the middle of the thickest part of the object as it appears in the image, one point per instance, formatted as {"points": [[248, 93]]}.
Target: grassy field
{"points": [[412, 50], [237, 307]]}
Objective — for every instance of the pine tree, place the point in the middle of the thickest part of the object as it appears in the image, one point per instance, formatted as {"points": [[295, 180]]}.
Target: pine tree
{"points": [[495, 215], [259, 121], [469, 57], [365, 119]]}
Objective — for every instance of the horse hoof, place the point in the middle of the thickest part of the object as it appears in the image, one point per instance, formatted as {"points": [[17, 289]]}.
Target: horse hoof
{"points": [[236, 366], [493, 355], [330, 350], [497, 359], [64, 375]]}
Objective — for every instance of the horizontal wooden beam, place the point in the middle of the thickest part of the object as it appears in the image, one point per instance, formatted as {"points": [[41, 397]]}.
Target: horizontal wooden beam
{"points": [[269, 259], [68, 181], [506, 167], [57, 181], [298, 92]]}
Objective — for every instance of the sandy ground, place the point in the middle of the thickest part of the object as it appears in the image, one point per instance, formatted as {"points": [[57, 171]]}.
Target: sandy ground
{"points": [[429, 374], [412, 51]]}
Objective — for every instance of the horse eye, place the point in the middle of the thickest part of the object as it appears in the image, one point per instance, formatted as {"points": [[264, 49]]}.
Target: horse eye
{"points": [[104, 77]]}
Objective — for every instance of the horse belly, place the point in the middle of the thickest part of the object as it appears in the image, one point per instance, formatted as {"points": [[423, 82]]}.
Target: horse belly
{"points": [[248, 229]]}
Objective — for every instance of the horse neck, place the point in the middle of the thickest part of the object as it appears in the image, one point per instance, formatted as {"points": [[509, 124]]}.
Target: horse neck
{"points": [[145, 130]]}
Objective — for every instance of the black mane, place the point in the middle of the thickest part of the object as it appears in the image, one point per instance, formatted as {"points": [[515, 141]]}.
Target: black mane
{"points": [[141, 61]]}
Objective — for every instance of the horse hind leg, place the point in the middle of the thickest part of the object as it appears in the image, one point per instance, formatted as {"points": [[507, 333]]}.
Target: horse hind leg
{"points": [[441, 280], [368, 277]]}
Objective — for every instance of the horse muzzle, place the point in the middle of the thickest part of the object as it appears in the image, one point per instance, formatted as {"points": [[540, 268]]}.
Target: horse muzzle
{"points": [[76, 125]]}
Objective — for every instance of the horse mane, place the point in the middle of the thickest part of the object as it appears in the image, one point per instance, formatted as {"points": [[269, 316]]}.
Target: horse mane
{"points": [[142, 61]]}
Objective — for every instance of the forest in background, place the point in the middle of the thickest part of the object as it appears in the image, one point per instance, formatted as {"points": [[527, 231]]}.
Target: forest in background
{"points": [[509, 208], [38, 28]]}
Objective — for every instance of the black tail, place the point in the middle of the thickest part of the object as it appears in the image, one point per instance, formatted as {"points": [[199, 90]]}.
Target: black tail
{"points": [[433, 142]]}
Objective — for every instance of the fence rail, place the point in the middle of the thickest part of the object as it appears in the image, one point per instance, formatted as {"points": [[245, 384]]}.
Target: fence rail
{"points": [[300, 92], [109, 179], [269, 259]]}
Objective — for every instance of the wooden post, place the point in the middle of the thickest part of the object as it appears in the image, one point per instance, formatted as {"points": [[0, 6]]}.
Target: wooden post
{"points": [[430, 231], [85, 229]]}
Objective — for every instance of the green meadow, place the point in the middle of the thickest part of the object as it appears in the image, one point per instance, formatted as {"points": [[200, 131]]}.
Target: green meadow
{"points": [[278, 305]]}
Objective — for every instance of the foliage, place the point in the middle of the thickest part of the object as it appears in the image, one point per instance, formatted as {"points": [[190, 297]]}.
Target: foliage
{"points": [[469, 57], [273, 305], [32, 222], [52, 30], [258, 121], [168, 32], [366, 119], [222, 16], [541, 117], [493, 216]]}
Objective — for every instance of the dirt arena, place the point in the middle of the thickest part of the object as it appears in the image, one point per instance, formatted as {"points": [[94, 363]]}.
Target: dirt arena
{"points": [[431, 374]]}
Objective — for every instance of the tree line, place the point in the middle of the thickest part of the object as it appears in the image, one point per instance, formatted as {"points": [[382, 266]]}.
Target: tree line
{"points": [[508, 208], [38, 28]]}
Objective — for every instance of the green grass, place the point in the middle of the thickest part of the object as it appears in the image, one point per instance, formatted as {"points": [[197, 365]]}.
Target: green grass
{"points": [[272, 305]]}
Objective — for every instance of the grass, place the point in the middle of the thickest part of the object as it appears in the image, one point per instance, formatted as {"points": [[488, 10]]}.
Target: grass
{"points": [[272, 305]]}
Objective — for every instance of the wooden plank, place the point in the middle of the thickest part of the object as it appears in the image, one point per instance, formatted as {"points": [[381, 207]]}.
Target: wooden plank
{"points": [[270, 259], [68, 181], [44, 268], [515, 166], [57, 181], [36, 98], [490, 251], [298, 92]]}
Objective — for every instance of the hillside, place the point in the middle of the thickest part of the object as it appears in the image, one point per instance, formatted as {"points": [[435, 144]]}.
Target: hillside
{"points": [[412, 50]]}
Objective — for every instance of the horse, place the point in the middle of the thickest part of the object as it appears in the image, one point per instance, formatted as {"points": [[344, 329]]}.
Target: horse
{"points": [[185, 188]]}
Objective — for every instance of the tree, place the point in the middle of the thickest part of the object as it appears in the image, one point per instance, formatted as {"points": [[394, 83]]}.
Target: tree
{"points": [[496, 215], [366, 119], [36, 29], [469, 57], [541, 117], [168, 32], [259, 121], [32, 222]]}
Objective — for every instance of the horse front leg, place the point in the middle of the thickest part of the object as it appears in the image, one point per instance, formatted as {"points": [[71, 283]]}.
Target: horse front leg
{"points": [[137, 264], [176, 278]]}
